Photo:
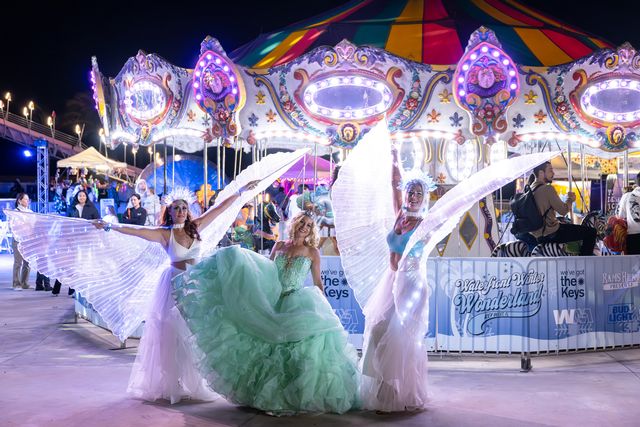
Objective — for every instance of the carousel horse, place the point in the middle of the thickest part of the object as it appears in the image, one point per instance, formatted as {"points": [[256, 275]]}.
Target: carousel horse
{"points": [[517, 248], [513, 249], [265, 219], [593, 219]]}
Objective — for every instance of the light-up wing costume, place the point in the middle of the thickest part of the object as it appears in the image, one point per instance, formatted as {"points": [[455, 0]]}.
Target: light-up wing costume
{"points": [[118, 273], [266, 171], [363, 211], [444, 215]]}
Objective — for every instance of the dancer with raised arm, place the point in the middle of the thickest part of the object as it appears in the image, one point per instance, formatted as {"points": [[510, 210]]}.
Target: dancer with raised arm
{"points": [[126, 275], [382, 240], [268, 342]]}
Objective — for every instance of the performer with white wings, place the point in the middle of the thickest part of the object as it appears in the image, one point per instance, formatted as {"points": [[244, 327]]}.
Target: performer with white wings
{"points": [[126, 276], [382, 240]]}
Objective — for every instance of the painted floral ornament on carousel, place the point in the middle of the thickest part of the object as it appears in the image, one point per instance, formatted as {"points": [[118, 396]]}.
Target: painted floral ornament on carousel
{"points": [[218, 89], [485, 84]]}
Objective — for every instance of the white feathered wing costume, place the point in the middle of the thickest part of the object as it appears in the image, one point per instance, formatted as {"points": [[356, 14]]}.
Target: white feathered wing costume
{"points": [[395, 303]]}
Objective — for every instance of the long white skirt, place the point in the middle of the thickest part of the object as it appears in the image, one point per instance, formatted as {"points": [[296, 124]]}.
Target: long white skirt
{"points": [[166, 363], [394, 359]]}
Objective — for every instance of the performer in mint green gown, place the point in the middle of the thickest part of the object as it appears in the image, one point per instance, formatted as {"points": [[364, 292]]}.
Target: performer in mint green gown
{"points": [[267, 341]]}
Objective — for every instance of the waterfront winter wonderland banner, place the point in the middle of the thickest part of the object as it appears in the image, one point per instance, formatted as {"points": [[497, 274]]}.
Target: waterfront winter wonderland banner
{"points": [[517, 304], [507, 304]]}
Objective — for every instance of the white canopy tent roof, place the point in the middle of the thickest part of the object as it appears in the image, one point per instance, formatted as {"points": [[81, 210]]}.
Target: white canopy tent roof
{"points": [[91, 159]]}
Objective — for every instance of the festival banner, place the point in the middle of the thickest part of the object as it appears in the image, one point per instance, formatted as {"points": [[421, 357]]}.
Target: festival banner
{"points": [[516, 304]]}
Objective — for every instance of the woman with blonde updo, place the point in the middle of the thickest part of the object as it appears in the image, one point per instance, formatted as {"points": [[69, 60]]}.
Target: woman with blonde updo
{"points": [[268, 341]]}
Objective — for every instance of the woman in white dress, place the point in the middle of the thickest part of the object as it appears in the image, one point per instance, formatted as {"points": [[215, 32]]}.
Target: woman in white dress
{"points": [[165, 366]]}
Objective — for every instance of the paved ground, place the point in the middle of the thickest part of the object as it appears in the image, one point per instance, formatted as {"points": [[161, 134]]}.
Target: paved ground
{"points": [[54, 372]]}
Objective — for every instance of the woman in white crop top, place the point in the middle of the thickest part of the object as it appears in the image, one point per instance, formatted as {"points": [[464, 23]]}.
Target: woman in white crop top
{"points": [[165, 365]]}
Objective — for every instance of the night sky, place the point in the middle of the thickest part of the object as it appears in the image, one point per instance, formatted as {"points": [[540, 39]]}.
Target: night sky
{"points": [[46, 48]]}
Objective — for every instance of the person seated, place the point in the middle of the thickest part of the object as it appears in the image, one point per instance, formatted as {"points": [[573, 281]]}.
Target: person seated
{"points": [[549, 203], [629, 209]]}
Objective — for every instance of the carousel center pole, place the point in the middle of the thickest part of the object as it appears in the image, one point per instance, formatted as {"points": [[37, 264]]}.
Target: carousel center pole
{"points": [[155, 172], [626, 170], [218, 161], [164, 172], [206, 160], [173, 164], [570, 176], [235, 158], [583, 175], [224, 164]]}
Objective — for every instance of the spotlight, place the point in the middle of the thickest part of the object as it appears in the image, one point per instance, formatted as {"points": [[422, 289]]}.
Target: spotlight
{"points": [[27, 153]]}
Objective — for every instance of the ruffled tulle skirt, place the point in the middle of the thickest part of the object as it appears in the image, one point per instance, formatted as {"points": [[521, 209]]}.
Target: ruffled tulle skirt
{"points": [[281, 354], [394, 357], [165, 366]]}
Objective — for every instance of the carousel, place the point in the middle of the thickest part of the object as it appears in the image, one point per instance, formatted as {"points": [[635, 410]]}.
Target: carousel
{"points": [[460, 85]]}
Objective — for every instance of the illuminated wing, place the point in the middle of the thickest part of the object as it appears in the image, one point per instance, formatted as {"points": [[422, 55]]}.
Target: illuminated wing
{"points": [[444, 215], [363, 211], [266, 171], [116, 273]]}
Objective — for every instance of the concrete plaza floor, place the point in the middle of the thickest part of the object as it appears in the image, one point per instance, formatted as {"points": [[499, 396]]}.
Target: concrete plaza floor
{"points": [[54, 372]]}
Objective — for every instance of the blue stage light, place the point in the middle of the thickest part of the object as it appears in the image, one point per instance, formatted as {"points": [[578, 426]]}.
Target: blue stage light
{"points": [[27, 153]]}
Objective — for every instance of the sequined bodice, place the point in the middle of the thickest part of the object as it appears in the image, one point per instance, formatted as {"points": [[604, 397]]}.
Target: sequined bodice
{"points": [[292, 272]]}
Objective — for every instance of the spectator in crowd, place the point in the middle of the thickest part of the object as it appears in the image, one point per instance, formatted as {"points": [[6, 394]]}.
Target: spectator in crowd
{"points": [[297, 201], [17, 188], [21, 267], [629, 209], [273, 190], [549, 203], [136, 214], [149, 201], [81, 207], [102, 187]]}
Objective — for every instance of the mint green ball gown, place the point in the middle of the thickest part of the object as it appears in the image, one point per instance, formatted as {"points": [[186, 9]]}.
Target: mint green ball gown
{"points": [[265, 340]]}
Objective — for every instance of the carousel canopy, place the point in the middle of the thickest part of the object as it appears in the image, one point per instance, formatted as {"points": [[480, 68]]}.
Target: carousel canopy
{"points": [[90, 159], [427, 31]]}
